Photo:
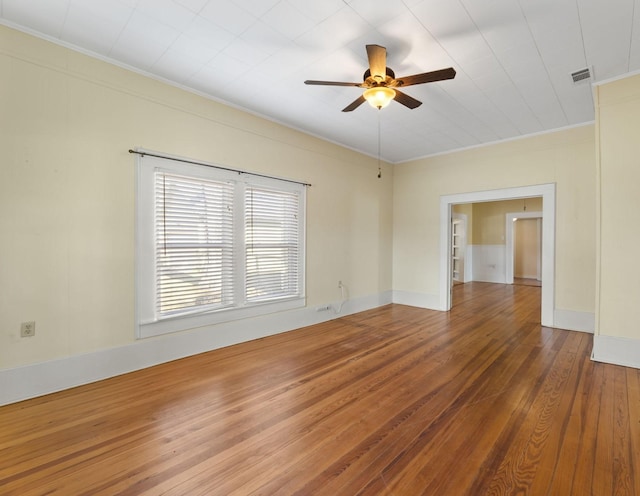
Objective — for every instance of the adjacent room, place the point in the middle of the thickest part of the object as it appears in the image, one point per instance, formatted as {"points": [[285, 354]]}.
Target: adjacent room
{"points": [[340, 247]]}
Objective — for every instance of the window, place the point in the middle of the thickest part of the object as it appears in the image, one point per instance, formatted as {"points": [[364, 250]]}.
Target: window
{"points": [[214, 245]]}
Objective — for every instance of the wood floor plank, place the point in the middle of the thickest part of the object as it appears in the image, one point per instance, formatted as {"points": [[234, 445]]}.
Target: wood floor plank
{"points": [[558, 460], [585, 416], [604, 463], [428, 453], [397, 400], [465, 373], [633, 391], [621, 444], [369, 455]]}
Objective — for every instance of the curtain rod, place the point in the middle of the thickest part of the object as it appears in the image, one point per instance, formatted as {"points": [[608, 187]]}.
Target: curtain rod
{"points": [[217, 167]]}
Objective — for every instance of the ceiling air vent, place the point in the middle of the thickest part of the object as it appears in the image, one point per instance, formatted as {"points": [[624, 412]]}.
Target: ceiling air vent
{"points": [[581, 75]]}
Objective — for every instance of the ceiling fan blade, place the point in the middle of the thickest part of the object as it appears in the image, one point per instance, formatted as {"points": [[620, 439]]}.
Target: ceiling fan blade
{"points": [[354, 105], [427, 77], [406, 100], [332, 83], [377, 60]]}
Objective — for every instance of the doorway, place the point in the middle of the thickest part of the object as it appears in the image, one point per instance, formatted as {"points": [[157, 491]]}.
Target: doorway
{"points": [[526, 250], [511, 245], [547, 192]]}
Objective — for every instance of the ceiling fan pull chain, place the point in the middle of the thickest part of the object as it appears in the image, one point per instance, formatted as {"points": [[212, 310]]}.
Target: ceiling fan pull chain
{"points": [[379, 169]]}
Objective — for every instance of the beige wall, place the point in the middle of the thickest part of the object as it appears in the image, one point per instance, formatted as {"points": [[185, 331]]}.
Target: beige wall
{"points": [[67, 194], [489, 218], [618, 131], [466, 209], [566, 158]]}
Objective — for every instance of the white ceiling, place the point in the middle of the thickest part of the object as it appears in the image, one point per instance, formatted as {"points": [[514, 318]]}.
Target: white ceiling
{"points": [[513, 59]]}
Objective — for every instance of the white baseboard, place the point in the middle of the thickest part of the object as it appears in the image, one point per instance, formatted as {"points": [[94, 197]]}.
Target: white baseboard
{"points": [[421, 300], [615, 350], [29, 381], [574, 321]]}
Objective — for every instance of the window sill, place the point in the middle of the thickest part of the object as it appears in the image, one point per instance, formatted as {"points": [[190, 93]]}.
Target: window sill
{"points": [[182, 323]]}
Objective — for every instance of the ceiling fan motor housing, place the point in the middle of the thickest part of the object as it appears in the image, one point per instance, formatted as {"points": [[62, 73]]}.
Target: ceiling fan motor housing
{"points": [[373, 81]]}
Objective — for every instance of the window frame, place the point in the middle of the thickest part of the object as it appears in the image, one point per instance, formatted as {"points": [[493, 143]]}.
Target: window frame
{"points": [[148, 323]]}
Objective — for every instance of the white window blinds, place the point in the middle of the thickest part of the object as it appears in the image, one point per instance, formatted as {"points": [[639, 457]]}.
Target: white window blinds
{"points": [[194, 244], [272, 244], [214, 246]]}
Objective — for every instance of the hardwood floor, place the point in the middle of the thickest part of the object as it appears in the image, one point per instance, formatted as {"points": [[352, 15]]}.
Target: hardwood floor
{"points": [[393, 401]]}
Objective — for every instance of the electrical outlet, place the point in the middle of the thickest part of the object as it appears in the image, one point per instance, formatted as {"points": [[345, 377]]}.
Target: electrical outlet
{"points": [[28, 329], [339, 284], [323, 308]]}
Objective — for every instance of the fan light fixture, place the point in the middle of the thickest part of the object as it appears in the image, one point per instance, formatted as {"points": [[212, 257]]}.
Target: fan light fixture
{"points": [[379, 96], [379, 82]]}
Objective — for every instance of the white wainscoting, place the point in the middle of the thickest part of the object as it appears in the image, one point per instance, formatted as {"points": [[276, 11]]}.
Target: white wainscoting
{"points": [[488, 263], [615, 350], [468, 263], [29, 381]]}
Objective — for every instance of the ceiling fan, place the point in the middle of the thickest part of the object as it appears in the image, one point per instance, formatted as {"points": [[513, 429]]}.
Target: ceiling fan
{"points": [[381, 85]]}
